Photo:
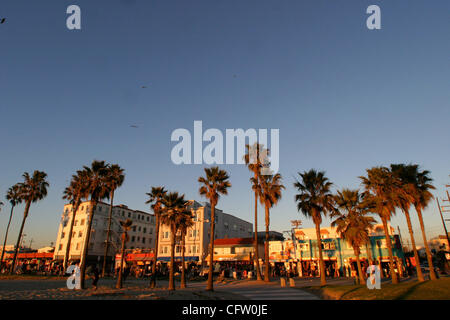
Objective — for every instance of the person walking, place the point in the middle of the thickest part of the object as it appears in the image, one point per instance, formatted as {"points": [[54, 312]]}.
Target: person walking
{"points": [[94, 274]]}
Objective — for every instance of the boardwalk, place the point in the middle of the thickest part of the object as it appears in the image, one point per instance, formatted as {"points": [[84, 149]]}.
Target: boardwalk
{"points": [[261, 291]]}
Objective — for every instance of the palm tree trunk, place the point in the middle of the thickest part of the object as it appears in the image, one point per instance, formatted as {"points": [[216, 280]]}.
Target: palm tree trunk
{"points": [[87, 237], [266, 247], [427, 248], [108, 232], [323, 280], [369, 252], [172, 258], [6, 236], [358, 263], [256, 255], [389, 246], [122, 253], [155, 253], [413, 243], [209, 286], [183, 273], [69, 240], [25, 215]]}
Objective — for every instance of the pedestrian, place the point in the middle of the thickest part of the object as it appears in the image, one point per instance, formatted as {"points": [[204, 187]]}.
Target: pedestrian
{"points": [[94, 274]]}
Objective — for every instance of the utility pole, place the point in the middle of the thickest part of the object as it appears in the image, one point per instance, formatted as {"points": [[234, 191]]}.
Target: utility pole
{"points": [[443, 222]]}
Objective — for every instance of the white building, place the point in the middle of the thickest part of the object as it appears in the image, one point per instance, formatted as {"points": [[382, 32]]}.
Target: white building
{"points": [[198, 236], [141, 235]]}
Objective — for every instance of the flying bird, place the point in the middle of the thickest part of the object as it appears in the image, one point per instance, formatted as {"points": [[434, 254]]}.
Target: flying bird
{"points": [[143, 87], [2, 20], [134, 126]]}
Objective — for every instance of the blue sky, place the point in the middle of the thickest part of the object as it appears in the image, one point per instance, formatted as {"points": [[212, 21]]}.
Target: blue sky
{"points": [[345, 98]]}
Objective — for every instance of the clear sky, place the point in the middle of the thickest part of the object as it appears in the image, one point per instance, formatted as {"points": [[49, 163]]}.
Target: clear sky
{"points": [[344, 98]]}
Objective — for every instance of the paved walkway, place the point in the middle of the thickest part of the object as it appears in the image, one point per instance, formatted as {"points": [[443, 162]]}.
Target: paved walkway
{"points": [[260, 290]]}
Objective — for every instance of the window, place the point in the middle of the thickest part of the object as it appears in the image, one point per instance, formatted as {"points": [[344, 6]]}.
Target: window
{"points": [[129, 214], [139, 229], [80, 234], [132, 238], [134, 229], [73, 234], [75, 223], [143, 239], [78, 246], [60, 246], [63, 235], [82, 222], [151, 231], [145, 230], [165, 249]]}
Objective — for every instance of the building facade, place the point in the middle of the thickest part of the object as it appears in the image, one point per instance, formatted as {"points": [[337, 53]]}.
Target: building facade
{"points": [[141, 235], [198, 236], [302, 252]]}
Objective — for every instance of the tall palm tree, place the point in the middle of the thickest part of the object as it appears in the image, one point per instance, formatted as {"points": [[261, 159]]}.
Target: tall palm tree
{"points": [[33, 189], [74, 193], [269, 195], [215, 183], [186, 221], [156, 196], [422, 197], [406, 174], [114, 179], [256, 160], [97, 189], [352, 222], [174, 206], [380, 186], [314, 200], [13, 196], [126, 226]]}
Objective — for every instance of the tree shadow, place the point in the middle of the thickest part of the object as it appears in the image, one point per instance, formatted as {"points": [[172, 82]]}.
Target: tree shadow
{"points": [[409, 291], [348, 292]]}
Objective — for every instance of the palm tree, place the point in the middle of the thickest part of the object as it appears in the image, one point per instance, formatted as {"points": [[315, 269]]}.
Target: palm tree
{"points": [[269, 195], [97, 189], [256, 160], [156, 196], [174, 207], [33, 189], [184, 223], [74, 193], [380, 186], [114, 179], [314, 200], [126, 226], [215, 183], [406, 174], [422, 197], [352, 222], [13, 196]]}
